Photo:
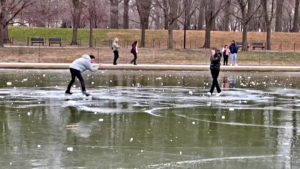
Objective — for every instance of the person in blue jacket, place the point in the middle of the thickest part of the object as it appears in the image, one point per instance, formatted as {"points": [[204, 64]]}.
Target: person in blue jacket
{"points": [[233, 53], [85, 62]]}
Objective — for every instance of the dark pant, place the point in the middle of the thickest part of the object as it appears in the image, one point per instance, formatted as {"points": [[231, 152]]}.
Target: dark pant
{"points": [[116, 56], [134, 59], [75, 73], [225, 59], [215, 73]]}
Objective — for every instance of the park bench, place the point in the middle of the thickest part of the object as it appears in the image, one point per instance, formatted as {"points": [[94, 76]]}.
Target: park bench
{"points": [[240, 45], [258, 45], [54, 41], [37, 40]]}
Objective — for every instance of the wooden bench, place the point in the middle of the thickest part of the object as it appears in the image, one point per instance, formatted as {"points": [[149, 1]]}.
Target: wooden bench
{"points": [[37, 40], [240, 45], [258, 45], [54, 41]]}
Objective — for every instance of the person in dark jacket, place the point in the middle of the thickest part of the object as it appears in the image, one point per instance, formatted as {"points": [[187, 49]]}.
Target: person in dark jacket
{"points": [[234, 51], [134, 51], [215, 60], [77, 67]]}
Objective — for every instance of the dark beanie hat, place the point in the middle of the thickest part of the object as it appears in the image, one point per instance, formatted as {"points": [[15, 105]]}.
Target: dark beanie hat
{"points": [[92, 56]]}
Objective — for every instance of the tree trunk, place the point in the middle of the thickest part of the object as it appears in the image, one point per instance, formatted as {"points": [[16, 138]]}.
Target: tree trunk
{"points": [[91, 36], [170, 35], [125, 15], [2, 21], [252, 22], [1, 36], [227, 16], [76, 21], [268, 43], [166, 19], [296, 17], [207, 35], [114, 14], [144, 7], [5, 34], [278, 24], [209, 21], [201, 19], [245, 37], [187, 10]]}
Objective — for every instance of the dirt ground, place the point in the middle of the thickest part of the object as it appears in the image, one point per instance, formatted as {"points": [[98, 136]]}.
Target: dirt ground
{"points": [[145, 56]]}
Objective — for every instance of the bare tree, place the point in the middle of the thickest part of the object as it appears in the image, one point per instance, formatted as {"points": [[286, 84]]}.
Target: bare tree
{"points": [[114, 14], [246, 14], [76, 15], [92, 17], [48, 13], [172, 12], [125, 15], [279, 13], [269, 15], [296, 17], [227, 15], [144, 7], [210, 16], [9, 10], [190, 7], [201, 15]]}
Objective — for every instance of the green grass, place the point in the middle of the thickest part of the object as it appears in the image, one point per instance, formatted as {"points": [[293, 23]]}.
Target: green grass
{"points": [[101, 36]]}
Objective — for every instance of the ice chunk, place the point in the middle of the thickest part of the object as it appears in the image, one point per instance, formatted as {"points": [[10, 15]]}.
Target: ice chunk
{"points": [[70, 149]]}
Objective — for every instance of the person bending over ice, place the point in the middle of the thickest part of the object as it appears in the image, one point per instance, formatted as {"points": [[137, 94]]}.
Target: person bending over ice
{"points": [[85, 62]]}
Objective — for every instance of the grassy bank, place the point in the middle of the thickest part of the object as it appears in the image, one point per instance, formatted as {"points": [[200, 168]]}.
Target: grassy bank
{"points": [[145, 56], [281, 41]]}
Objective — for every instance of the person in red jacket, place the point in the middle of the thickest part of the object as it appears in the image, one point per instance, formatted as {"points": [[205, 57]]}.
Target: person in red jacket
{"points": [[134, 51]]}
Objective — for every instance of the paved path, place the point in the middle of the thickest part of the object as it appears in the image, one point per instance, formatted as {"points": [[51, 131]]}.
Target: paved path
{"points": [[151, 67]]}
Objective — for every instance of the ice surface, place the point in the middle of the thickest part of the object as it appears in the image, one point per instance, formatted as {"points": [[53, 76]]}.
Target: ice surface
{"points": [[153, 100]]}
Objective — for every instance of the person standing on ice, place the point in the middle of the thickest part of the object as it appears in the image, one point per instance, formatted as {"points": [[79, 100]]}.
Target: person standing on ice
{"points": [[85, 62], [215, 60]]}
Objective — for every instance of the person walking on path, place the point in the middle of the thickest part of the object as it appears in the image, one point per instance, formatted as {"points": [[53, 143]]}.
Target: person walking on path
{"points": [[134, 51], [215, 60], [225, 52], [85, 62], [115, 47], [234, 51]]}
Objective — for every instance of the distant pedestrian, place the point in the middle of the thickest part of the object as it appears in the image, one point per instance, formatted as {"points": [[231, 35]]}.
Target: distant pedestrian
{"points": [[115, 47], [215, 60], [134, 51], [226, 53], [85, 62], [233, 53]]}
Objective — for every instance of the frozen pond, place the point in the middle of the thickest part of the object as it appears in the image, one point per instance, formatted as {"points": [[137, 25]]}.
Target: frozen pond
{"points": [[138, 119]]}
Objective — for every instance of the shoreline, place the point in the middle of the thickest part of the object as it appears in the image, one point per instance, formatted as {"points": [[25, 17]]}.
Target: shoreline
{"points": [[151, 67]]}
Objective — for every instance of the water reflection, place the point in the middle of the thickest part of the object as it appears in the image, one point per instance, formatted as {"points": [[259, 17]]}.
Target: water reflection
{"points": [[149, 120]]}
